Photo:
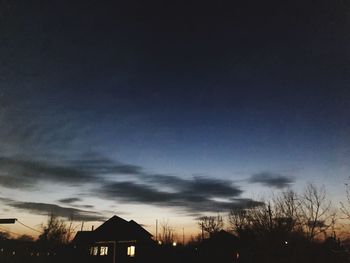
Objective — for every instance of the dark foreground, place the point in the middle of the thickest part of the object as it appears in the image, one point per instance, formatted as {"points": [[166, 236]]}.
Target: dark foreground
{"points": [[328, 251]]}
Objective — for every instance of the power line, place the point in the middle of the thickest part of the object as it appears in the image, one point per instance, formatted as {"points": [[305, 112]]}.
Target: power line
{"points": [[33, 229]]}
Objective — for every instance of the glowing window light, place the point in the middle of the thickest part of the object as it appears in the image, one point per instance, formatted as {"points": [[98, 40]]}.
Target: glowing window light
{"points": [[103, 251], [93, 251], [131, 251]]}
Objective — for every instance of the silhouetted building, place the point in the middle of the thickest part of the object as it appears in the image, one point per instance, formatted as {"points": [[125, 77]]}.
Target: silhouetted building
{"points": [[220, 247], [116, 240]]}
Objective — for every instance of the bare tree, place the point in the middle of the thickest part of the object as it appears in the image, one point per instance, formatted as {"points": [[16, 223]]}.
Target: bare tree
{"points": [[56, 232], [167, 235], [280, 215], [315, 209], [307, 215], [239, 220], [70, 230], [344, 207], [210, 224], [288, 211]]}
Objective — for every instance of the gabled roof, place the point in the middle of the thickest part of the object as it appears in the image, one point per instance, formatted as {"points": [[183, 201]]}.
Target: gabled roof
{"points": [[114, 223], [139, 228], [115, 228], [83, 237]]}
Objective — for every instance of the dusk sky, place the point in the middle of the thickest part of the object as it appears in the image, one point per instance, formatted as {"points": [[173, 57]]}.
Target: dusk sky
{"points": [[169, 111]]}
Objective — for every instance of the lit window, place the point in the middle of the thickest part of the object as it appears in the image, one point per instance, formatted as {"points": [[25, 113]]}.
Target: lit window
{"points": [[131, 251], [103, 251], [93, 251]]}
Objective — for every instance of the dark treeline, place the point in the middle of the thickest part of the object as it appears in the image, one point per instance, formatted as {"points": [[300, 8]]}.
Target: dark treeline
{"points": [[288, 228]]}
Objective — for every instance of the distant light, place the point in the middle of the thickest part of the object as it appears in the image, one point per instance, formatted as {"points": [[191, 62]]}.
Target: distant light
{"points": [[237, 255], [174, 244], [159, 242], [286, 242]]}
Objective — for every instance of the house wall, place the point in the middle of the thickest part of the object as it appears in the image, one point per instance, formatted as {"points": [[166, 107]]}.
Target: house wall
{"points": [[117, 252]]}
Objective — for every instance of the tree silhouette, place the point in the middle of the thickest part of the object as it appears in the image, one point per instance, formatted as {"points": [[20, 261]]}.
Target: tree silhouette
{"points": [[316, 211], [167, 235], [56, 232], [211, 224]]}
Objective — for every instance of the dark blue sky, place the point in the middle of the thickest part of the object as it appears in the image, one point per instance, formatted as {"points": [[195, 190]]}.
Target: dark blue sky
{"points": [[145, 103]]}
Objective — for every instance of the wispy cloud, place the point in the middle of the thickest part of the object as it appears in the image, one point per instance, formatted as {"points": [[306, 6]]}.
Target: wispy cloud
{"points": [[69, 200], [47, 209], [270, 179], [17, 172], [126, 183], [24, 173], [72, 201], [187, 196]]}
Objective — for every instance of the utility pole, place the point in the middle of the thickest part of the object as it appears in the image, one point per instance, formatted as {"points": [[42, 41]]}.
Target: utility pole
{"points": [[82, 226], [202, 228], [183, 236], [156, 229]]}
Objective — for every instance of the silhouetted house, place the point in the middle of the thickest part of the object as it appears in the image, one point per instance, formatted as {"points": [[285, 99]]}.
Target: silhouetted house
{"points": [[220, 247], [116, 240]]}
